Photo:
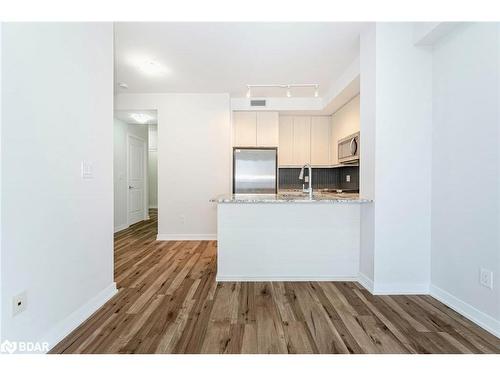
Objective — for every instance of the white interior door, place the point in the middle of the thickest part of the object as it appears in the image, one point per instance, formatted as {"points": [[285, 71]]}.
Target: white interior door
{"points": [[136, 179]]}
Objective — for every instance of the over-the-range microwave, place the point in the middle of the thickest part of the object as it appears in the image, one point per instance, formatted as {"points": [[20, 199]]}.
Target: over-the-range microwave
{"points": [[348, 149]]}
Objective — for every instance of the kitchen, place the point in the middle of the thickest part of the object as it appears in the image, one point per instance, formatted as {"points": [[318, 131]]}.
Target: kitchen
{"points": [[316, 219], [294, 209]]}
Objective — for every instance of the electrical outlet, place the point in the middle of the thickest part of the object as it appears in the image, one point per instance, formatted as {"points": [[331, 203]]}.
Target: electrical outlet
{"points": [[486, 278], [87, 170], [182, 218], [348, 178], [19, 303]]}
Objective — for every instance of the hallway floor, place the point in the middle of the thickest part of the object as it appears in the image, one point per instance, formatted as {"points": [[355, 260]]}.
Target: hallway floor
{"points": [[168, 302]]}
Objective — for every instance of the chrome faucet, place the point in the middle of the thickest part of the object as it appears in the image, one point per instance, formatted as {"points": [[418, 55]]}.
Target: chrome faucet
{"points": [[309, 180]]}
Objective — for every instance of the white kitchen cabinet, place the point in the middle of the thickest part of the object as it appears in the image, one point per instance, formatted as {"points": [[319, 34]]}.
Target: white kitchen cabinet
{"points": [[255, 129], [345, 121], [267, 129], [320, 140], [285, 148], [244, 129], [301, 140]]}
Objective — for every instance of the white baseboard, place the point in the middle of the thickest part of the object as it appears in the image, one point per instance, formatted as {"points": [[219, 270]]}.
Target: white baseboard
{"points": [[153, 206], [121, 227], [233, 278], [481, 319], [366, 282], [186, 237], [66, 326], [394, 289]]}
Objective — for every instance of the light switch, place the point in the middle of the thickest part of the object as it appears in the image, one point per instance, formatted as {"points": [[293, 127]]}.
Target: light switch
{"points": [[87, 170]]}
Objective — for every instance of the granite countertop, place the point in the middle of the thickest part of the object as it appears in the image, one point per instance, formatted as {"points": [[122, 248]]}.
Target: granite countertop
{"points": [[291, 197]]}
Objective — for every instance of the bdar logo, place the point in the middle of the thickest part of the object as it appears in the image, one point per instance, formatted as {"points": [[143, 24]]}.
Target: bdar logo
{"points": [[8, 347]]}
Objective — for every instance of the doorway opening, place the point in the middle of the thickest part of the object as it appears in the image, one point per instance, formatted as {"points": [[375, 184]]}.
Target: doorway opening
{"points": [[135, 167]]}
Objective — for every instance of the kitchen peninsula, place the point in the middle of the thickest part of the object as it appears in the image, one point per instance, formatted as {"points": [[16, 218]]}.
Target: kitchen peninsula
{"points": [[289, 237], [295, 210]]}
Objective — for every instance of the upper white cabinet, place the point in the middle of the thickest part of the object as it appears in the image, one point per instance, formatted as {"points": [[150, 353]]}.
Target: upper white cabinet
{"points": [[285, 150], [304, 139], [320, 140], [255, 129], [344, 122], [301, 140], [267, 129], [245, 129]]}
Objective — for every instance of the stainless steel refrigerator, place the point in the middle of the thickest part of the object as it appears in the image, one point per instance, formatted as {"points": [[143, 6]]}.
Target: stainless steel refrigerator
{"points": [[255, 170]]}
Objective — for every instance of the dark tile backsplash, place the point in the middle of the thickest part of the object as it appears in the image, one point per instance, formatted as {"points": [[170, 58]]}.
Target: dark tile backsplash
{"points": [[354, 180], [323, 178]]}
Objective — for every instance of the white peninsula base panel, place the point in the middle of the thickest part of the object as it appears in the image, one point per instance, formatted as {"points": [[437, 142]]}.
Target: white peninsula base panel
{"points": [[288, 242]]}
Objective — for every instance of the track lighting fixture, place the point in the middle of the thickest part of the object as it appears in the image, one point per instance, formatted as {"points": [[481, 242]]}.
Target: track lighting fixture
{"points": [[287, 87]]}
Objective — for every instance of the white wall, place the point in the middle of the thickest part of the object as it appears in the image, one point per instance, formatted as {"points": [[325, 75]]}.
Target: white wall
{"points": [[343, 88], [403, 160], [429, 33], [398, 126], [367, 112], [194, 159], [1, 127], [57, 243], [344, 122], [367, 153], [437, 196], [121, 130], [139, 130], [465, 169], [153, 166]]}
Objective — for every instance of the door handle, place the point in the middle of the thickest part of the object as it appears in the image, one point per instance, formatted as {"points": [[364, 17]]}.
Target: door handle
{"points": [[130, 187], [355, 148]]}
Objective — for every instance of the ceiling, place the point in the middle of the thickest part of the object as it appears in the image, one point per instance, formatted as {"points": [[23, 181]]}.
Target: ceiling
{"points": [[225, 57], [126, 116]]}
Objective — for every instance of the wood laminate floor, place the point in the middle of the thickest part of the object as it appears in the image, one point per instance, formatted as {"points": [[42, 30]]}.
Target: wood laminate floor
{"points": [[169, 302]]}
